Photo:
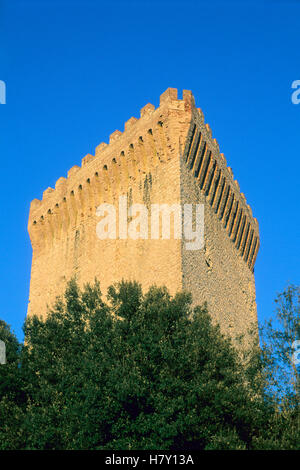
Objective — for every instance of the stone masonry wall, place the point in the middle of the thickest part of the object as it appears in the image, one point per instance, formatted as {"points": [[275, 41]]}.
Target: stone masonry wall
{"points": [[166, 156]]}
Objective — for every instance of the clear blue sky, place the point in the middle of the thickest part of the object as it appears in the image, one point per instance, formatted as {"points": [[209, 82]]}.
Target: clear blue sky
{"points": [[77, 70]]}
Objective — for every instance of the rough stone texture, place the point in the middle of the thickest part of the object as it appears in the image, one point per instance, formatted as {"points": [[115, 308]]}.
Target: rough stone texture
{"points": [[166, 156]]}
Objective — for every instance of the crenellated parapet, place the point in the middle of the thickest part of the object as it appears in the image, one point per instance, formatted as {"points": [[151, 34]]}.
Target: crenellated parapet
{"points": [[216, 181], [138, 150], [146, 144]]}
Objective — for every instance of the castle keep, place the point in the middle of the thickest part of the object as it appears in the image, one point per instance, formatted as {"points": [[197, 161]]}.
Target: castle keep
{"points": [[167, 156]]}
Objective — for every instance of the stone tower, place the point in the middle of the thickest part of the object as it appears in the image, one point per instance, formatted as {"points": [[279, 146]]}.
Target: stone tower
{"points": [[167, 156]]}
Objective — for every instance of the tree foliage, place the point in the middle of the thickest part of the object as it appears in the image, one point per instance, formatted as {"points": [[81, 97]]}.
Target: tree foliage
{"points": [[278, 343], [134, 371], [280, 346]]}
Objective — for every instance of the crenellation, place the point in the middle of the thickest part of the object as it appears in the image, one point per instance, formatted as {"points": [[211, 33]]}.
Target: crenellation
{"points": [[73, 171], [243, 198], [188, 99], [168, 96], [147, 110], [60, 184], [47, 193], [35, 204], [224, 162], [237, 185], [217, 146], [88, 158], [229, 169], [114, 136], [131, 122], [208, 128], [100, 148], [200, 115]]}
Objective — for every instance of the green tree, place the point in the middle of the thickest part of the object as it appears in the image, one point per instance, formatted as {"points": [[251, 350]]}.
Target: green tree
{"points": [[12, 397], [135, 372], [278, 338], [281, 372]]}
